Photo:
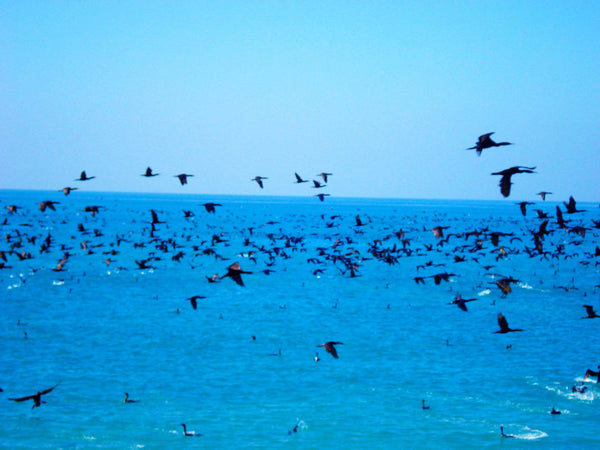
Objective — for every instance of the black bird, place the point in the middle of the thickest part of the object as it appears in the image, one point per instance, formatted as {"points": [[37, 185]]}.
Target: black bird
{"points": [[560, 219], [592, 373], [299, 179], [84, 177], [210, 207], [329, 347], [423, 404], [318, 184], [504, 284], [485, 141], [543, 194], [523, 206], [322, 196], [128, 400], [591, 314], [48, 204], [460, 302], [37, 397], [572, 206], [235, 272], [189, 433], [194, 300], [67, 190], [155, 217], [259, 179], [504, 328], [324, 175], [149, 173], [183, 177], [507, 174]]}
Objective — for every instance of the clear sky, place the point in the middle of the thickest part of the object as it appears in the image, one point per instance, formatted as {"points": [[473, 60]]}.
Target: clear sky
{"points": [[385, 95]]}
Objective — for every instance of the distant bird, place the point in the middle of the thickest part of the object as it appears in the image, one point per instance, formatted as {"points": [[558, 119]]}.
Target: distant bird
{"points": [[560, 219], [12, 208], [324, 175], [445, 276], [318, 185], [259, 179], [329, 347], [210, 207], [235, 272], [438, 231], [572, 206], [48, 204], [183, 177], [506, 174], [299, 179], [484, 142], [504, 328], [505, 435], [423, 404], [67, 190], [460, 302], [84, 177], [37, 397], [591, 314], [523, 206], [189, 433], [149, 173], [504, 284], [92, 209], [543, 194], [322, 196], [592, 373], [194, 300], [554, 412], [154, 217], [128, 400]]}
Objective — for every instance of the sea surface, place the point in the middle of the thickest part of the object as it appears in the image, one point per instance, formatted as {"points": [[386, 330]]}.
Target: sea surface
{"points": [[241, 370]]}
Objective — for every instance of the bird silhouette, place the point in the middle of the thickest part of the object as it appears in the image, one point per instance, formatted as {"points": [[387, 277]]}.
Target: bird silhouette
{"points": [[210, 207], [37, 397], [572, 206], [506, 174], [460, 302], [183, 177], [324, 175], [299, 179], [235, 272], [259, 179], [484, 141], [128, 400], [504, 328], [67, 190], [149, 173], [194, 300], [591, 314], [48, 204], [322, 196], [329, 347], [189, 433], [543, 194], [523, 206], [84, 177]]}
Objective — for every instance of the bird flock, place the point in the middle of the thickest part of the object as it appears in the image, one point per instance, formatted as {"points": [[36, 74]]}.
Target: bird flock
{"points": [[437, 251]]}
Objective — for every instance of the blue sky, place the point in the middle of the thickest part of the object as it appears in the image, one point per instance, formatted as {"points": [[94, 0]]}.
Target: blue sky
{"points": [[385, 95]]}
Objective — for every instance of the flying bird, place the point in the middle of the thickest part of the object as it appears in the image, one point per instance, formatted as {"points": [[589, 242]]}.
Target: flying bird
{"points": [[485, 141], [84, 177], [48, 204], [37, 397], [523, 206], [183, 177], [329, 347], [210, 207], [235, 272], [259, 179], [322, 196], [543, 194], [460, 302], [504, 328], [591, 314], [507, 174], [324, 175], [299, 179], [149, 173], [572, 206], [194, 300], [67, 190]]}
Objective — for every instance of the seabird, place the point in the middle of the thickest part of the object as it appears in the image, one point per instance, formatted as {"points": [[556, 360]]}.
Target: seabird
{"points": [[37, 397], [149, 173], [460, 302], [189, 433], [84, 177], [67, 190], [543, 194], [523, 206], [48, 204], [128, 400], [507, 174], [299, 179], [504, 328], [592, 373], [322, 196], [183, 177], [324, 175], [194, 300], [484, 141], [210, 207], [423, 404], [572, 206], [235, 272], [259, 179], [591, 314], [329, 347]]}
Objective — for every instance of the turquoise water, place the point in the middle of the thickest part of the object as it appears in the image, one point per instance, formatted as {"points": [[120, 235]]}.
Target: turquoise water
{"points": [[101, 330]]}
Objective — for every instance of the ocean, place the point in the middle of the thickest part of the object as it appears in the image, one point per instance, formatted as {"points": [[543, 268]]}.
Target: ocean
{"points": [[241, 369]]}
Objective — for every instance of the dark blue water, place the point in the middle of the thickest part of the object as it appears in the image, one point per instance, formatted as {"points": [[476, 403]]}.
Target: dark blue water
{"points": [[240, 369]]}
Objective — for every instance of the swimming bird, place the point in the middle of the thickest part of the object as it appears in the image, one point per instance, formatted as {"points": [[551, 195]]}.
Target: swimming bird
{"points": [[484, 141], [189, 433], [299, 179], [504, 328], [67, 190], [592, 373], [329, 347], [37, 397], [591, 314], [543, 194], [506, 174], [149, 173], [194, 300], [423, 404], [183, 177], [554, 411], [572, 206], [235, 272], [84, 177], [505, 435], [259, 179], [128, 400], [460, 302]]}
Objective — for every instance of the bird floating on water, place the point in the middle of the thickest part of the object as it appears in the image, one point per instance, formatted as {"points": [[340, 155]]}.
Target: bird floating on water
{"points": [[189, 433]]}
